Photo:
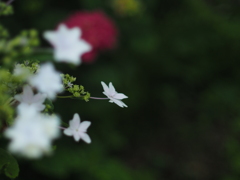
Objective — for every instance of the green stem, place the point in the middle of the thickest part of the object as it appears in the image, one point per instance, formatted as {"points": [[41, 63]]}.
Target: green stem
{"points": [[43, 50], [65, 97]]}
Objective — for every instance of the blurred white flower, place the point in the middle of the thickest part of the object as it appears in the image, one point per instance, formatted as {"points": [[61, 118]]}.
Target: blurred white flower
{"points": [[77, 129], [21, 71], [47, 80], [68, 47], [113, 95], [32, 133], [28, 98]]}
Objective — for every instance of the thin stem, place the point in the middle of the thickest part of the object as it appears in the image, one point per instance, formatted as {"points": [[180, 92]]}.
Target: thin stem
{"points": [[62, 127], [43, 50], [99, 98], [62, 97], [9, 2]]}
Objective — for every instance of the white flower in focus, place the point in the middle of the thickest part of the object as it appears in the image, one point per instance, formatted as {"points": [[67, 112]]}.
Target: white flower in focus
{"points": [[68, 47], [113, 95], [77, 129], [32, 133], [28, 98], [47, 80]]}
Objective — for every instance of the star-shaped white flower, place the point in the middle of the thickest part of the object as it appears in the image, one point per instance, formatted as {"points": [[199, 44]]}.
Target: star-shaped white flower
{"points": [[28, 98], [77, 129], [47, 80], [32, 133], [68, 47], [113, 95]]}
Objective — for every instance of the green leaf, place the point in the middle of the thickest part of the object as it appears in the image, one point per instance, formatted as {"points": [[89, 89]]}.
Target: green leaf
{"points": [[8, 164]]}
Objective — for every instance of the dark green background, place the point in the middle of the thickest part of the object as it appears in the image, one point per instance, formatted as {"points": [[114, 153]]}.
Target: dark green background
{"points": [[178, 61]]}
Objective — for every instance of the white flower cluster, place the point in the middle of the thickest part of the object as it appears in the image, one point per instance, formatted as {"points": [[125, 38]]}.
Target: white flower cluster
{"points": [[33, 131]]}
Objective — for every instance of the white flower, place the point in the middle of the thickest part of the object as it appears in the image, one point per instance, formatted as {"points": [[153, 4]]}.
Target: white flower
{"points": [[32, 133], [68, 47], [28, 98], [78, 130], [113, 95], [47, 80], [21, 71]]}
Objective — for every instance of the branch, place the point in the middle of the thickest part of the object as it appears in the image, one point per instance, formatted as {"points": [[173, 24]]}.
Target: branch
{"points": [[9, 2]]}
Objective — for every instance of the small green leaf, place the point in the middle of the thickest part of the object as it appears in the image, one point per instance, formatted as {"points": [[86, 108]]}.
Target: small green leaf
{"points": [[8, 164]]}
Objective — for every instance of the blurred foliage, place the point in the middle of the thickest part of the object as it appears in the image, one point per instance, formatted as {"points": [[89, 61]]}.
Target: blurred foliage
{"points": [[8, 164], [127, 7], [178, 62], [5, 9]]}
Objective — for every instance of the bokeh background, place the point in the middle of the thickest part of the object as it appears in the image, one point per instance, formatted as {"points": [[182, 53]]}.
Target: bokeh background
{"points": [[178, 61]]}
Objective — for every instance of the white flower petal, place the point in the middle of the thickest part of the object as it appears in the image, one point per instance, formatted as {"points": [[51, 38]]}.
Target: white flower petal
{"points": [[106, 94], [105, 88], [84, 126], [40, 107], [40, 98], [112, 90], [75, 122], [50, 36], [37, 107], [85, 137], [27, 93], [119, 102], [120, 96], [62, 28], [76, 136], [84, 46], [76, 32], [52, 121], [68, 56], [68, 132]]}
